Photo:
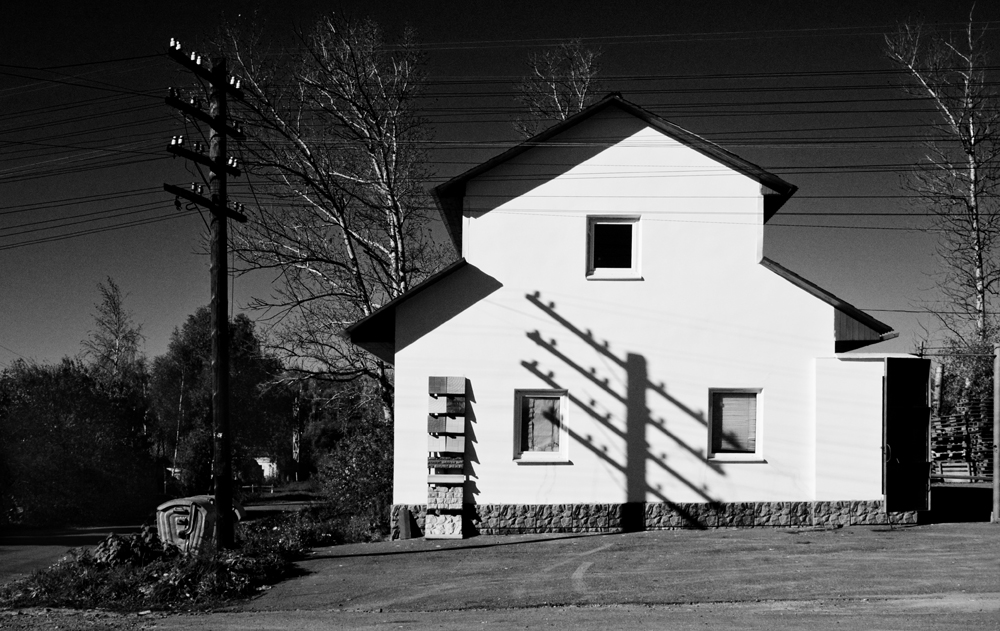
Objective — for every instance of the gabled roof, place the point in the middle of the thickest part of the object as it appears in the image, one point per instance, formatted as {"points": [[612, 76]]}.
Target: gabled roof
{"points": [[852, 327], [450, 194]]}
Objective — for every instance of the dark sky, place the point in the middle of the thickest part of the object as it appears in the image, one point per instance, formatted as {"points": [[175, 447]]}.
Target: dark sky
{"points": [[801, 89]]}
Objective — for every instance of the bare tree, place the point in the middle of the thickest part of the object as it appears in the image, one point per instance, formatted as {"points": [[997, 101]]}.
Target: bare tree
{"points": [[335, 154], [958, 178], [561, 82], [113, 345]]}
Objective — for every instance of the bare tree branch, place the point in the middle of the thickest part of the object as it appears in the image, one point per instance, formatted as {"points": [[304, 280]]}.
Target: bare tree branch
{"points": [[335, 155], [560, 83], [957, 181]]}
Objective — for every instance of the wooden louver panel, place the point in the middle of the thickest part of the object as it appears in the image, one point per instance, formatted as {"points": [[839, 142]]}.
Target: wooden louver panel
{"points": [[446, 457]]}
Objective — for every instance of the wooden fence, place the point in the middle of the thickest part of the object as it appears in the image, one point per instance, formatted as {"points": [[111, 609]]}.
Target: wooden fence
{"points": [[962, 443]]}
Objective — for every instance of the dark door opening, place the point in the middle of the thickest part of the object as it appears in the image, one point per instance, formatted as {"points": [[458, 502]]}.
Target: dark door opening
{"points": [[906, 439]]}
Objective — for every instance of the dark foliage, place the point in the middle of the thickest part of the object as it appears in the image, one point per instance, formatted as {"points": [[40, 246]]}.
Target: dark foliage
{"points": [[74, 448], [967, 371], [356, 471], [135, 572], [181, 393]]}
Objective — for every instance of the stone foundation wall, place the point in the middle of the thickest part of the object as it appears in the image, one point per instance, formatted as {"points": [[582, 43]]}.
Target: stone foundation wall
{"points": [[501, 519]]}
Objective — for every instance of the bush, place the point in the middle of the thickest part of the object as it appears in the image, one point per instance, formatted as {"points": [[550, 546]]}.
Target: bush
{"points": [[356, 474], [135, 572], [73, 448]]}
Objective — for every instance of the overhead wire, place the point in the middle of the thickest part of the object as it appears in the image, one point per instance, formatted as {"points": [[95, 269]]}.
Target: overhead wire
{"points": [[86, 63], [79, 233], [496, 114], [74, 201], [118, 93], [92, 217]]}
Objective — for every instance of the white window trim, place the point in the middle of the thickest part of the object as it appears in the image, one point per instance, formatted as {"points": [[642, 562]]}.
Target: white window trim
{"points": [[634, 272], [758, 454], [542, 457]]}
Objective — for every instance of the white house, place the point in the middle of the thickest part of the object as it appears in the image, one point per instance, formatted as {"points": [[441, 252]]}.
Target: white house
{"points": [[629, 358]]}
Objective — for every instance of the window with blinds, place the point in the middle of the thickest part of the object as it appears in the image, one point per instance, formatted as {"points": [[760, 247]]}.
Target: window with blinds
{"points": [[734, 418], [540, 428]]}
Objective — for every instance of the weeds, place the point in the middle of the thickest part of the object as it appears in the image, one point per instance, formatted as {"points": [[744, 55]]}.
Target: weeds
{"points": [[136, 572]]}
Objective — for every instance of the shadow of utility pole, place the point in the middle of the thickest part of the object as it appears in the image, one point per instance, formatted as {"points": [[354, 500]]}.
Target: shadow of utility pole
{"points": [[637, 456]]}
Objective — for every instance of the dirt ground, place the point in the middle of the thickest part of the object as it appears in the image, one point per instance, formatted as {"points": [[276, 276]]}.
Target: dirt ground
{"points": [[943, 576]]}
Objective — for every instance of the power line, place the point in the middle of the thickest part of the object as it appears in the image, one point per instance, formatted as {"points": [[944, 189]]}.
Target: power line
{"points": [[115, 155], [77, 120], [826, 31], [84, 63], [93, 216], [80, 233], [77, 200]]}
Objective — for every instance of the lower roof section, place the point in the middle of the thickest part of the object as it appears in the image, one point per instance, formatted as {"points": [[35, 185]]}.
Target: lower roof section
{"points": [[376, 333], [853, 328]]}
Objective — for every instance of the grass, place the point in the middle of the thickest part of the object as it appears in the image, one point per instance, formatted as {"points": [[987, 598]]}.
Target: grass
{"points": [[136, 572]]}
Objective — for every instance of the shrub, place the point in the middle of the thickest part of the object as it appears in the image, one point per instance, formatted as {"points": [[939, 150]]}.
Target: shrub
{"points": [[133, 572], [356, 476], [73, 448]]}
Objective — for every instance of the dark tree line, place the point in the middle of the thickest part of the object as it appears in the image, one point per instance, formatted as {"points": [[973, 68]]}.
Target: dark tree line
{"points": [[181, 397], [109, 435], [75, 447]]}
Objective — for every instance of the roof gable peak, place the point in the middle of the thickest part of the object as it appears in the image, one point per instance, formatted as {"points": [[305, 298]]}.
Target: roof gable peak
{"points": [[449, 196]]}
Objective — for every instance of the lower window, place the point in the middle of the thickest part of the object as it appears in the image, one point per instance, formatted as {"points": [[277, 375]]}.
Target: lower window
{"points": [[540, 433], [734, 423]]}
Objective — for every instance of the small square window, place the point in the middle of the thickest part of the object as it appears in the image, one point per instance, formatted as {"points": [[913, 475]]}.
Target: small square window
{"points": [[540, 433], [613, 248], [734, 424]]}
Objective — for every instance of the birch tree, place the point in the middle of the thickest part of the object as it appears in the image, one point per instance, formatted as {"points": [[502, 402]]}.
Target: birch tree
{"points": [[958, 177], [561, 81], [336, 159], [113, 346]]}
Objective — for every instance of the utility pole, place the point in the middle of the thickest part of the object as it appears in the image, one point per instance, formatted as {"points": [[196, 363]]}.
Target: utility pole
{"points": [[995, 518], [220, 166]]}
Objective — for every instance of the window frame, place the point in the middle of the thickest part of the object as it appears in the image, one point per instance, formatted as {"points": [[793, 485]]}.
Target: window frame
{"points": [[757, 455], [634, 271], [542, 457]]}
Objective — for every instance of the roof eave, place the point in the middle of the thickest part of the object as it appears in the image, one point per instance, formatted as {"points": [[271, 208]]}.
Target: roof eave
{"points": [[376, 332], [875, 331]]}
